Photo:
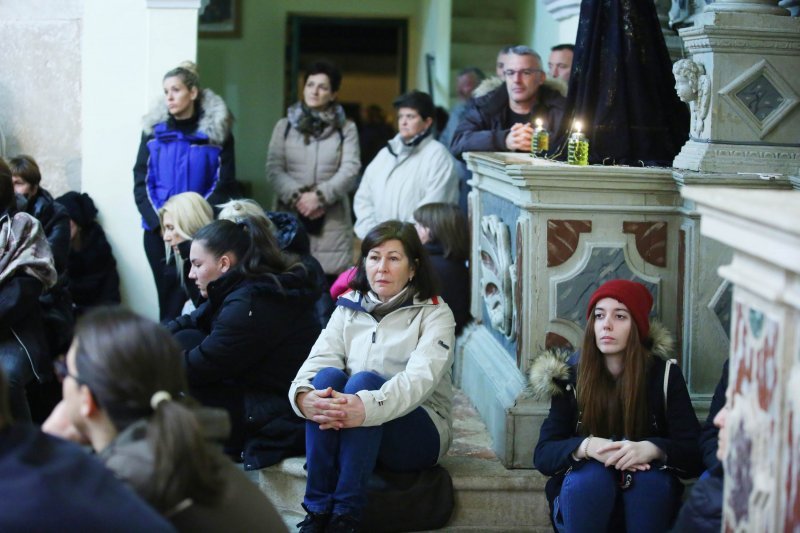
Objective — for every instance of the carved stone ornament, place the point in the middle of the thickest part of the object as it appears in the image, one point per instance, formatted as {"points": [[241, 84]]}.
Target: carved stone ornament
{"points": [[694, 87], [496, 265]]}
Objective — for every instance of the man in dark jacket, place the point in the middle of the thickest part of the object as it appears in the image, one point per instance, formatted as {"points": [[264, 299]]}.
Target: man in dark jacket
{"points": [[501, 120]]}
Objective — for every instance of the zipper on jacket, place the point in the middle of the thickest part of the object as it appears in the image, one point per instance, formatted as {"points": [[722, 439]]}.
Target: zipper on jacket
{"points": [[374, 332], [33, 367]]}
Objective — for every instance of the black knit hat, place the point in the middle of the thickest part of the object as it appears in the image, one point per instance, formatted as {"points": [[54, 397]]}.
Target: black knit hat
{"points": [[80, 207]]}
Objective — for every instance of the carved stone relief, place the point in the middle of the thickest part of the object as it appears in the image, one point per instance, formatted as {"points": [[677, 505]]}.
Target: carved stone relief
{"points": [[694, 87], [496, 274]]}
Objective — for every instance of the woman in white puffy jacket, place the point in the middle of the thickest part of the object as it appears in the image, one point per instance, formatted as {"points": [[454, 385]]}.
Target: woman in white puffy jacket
{"points": [[378, 376]]}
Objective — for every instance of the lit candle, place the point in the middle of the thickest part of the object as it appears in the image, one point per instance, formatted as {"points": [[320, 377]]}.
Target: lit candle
{"points": [[578, 148], [540, 140]]}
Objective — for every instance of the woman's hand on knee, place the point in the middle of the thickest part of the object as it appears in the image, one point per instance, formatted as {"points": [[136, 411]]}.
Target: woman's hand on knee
{"points": [[631, 455], [351, 409]]}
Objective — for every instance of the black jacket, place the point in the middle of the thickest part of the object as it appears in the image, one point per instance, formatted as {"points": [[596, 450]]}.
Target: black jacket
{"points": [[675, 429], [259, 332], [21, 323], [453, 277], [487, 120], [708, 437], [702, 510], [55, 223], [93, 278]]}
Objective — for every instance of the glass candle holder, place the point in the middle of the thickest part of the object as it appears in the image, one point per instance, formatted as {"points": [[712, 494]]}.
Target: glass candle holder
{"points": [[540, 140], [578, 148]]}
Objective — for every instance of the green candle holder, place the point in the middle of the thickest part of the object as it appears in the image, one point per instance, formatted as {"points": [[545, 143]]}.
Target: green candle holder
{"points": [[540, 141], [578, 150]]}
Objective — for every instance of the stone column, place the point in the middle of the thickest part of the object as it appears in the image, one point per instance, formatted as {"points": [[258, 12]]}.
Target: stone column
{"points": [[762, 468], [742, 86]]}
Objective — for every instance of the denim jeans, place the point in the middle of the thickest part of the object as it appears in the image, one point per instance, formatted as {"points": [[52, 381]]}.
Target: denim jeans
{"points": [[590, 493], [341, 462], [18, 372]]}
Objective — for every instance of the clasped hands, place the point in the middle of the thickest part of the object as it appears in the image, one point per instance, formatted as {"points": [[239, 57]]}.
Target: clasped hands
{"points": [[309, 205], [332, 409], [624, 454], [519, 138]]}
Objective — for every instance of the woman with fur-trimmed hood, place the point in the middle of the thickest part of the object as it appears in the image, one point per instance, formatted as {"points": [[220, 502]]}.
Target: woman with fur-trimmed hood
{"points": [[621, 425], [187, 145]]}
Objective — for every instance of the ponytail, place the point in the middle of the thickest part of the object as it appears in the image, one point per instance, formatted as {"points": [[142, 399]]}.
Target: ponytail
{"points": [[184, 468], [251, 241]]}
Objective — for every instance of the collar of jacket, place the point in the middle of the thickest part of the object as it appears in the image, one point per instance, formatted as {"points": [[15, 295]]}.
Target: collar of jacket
{"points": [[553, 369], [215, 121], [294, 283], [398, 148], [352, 300], [496, 101]]}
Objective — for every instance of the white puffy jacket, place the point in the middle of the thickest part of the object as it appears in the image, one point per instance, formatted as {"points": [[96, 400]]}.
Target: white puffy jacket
{"points": [[412, 347]]}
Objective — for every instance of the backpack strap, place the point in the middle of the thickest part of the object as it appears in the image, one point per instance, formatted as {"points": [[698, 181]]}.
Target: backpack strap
{"points": [[670, 362], [288, 128]]}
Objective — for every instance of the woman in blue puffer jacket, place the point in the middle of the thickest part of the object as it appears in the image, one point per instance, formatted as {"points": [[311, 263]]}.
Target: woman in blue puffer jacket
{"points": [[186, 145]]}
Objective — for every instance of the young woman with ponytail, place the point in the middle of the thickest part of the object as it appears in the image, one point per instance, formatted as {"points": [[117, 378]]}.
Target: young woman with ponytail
{"points": [[125, 393], [621, 425], [245, 343]]}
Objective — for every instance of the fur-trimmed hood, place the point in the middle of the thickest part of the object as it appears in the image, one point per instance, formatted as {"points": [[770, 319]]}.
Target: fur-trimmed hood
{"points": [[215, 118], [550, 370]]}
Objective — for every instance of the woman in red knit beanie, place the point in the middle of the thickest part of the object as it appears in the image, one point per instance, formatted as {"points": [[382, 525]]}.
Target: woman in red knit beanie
{"points": [[621, 424]]}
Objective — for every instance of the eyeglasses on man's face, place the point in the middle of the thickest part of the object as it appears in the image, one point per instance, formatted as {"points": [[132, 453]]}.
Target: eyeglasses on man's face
{"points": [[525, 72]]}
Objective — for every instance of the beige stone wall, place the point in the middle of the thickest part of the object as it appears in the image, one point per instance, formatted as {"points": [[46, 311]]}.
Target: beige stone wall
{"points": [[40, 86]]}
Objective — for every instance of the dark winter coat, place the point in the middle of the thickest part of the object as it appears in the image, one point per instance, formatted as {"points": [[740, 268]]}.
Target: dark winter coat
{"points": [[702, 510], [22, 331], [487, 120], [709, 434], [55, 223], [453, 279], [175, 156], [192, 292], [673, 428], [93, 278], [48, 484], [259, 331]]}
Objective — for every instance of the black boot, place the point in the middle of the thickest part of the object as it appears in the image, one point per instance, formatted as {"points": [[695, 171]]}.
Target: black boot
{"points": [[313, 522], [343, 523]]}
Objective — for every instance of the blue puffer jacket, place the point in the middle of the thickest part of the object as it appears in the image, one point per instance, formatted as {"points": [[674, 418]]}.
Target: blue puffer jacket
{"points": [[175, 156]]}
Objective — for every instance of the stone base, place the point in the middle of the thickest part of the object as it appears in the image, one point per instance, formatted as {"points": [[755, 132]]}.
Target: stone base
{"points": [[738, 158]]}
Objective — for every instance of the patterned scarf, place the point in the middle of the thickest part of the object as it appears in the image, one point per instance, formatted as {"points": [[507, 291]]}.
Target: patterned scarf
{"points": [[373, 305], [311, 122], [24, 247]]}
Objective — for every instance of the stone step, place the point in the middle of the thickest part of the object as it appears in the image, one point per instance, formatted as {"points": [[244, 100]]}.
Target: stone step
{"points": [[488, 497]]}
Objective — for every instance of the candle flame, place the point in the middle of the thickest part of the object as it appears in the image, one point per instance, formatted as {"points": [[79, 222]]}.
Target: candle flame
{"points": [[538, 123], [577, 126]]}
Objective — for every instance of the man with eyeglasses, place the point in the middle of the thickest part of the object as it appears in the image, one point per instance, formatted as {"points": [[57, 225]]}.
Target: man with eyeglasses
{"points": [[501, 120]]}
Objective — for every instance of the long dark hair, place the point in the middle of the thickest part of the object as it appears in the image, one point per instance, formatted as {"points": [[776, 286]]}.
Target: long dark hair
{"points": [[424, 282], [609, 407], [7, 197], [5, 405], [124, 359], [251, 241], [447, 226]]}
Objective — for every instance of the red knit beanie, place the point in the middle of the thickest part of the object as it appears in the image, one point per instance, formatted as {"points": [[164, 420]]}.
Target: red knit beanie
{"points": [[634, 295]]}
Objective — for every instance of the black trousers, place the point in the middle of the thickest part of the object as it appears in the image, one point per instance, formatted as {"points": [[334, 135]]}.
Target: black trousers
{"points": [[171, 295]]}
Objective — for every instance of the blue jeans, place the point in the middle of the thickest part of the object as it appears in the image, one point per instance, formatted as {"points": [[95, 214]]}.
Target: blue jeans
{"points": [[590, 493], [341, 462], [18, 372]]}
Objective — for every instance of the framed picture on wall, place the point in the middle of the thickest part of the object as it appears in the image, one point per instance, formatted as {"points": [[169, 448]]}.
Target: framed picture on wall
{"points": [[220, 18]]}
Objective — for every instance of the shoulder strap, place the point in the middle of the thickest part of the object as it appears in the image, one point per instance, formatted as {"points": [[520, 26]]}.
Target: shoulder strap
{"points": [[288, 128], [670, 362]]}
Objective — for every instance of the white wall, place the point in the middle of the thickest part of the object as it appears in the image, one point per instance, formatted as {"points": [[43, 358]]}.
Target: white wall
{"points": [[127, 47], [435, 39]]}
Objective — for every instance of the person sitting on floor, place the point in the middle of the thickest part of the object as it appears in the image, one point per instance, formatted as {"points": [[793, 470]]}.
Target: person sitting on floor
{"points": [[124, 388], [378, 377], [47, 484], [618, 416], [245, 343], [93, 279]]}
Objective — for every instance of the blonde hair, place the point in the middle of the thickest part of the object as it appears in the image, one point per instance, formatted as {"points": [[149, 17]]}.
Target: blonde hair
{"points": [[189, 211], [236, 210]]}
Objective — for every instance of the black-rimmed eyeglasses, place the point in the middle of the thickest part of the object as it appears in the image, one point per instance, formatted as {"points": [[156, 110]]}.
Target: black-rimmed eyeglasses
{"points": [[525, 72], [62, 372]]}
